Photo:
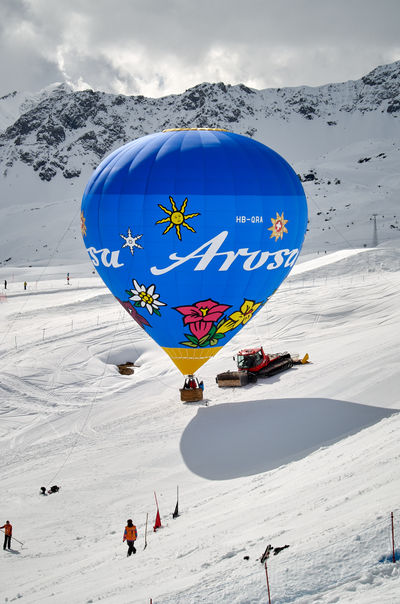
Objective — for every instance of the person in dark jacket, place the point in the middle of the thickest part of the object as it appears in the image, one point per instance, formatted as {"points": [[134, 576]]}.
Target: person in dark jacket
{"points": [[130, 536], [7, 534]]}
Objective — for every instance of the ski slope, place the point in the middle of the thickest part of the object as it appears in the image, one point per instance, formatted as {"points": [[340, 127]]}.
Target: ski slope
{"points": [[307, 458]]}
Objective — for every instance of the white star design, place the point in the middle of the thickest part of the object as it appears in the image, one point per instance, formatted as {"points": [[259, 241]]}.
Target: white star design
{"points": [[130, 241]]}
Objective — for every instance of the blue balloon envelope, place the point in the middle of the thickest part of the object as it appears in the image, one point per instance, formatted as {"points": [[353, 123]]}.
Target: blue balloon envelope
{"points": [[192, 230]]}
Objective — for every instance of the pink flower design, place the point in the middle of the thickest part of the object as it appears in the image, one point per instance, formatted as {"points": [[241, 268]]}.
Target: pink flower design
{"points": [[201, 316]]}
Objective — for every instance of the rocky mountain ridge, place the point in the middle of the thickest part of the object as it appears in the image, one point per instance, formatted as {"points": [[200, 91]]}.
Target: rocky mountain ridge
{"points": [[59, 130]]}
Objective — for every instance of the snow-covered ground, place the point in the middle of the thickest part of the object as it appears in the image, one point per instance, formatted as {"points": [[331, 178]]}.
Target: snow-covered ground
{"points": [[308, 458]]}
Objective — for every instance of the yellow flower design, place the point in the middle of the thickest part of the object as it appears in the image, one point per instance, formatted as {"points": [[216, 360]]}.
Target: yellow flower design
{"points": [[239, 317]]}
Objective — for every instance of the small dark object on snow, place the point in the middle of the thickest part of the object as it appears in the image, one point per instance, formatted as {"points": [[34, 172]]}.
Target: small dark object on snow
{"points": [[266, 554], [126, 368], [246, 557], [279, 549], [54, 489], [269, 549], [43, 490]]}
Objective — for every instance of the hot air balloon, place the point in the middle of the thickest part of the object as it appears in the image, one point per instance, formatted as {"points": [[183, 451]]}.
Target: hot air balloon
{"points": [[193, 230]]}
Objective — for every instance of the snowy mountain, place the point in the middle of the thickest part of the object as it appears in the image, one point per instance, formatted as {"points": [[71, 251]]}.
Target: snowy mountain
{"points": [[61, 129], [342, 139]]}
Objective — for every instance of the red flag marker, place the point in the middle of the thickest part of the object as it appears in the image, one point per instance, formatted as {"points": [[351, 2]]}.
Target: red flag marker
{"points": [[157, 523]]}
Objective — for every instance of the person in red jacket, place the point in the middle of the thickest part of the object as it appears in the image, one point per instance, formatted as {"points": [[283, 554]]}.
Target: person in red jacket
{"points": [[130, 536], [7, 534], [191, 382]]}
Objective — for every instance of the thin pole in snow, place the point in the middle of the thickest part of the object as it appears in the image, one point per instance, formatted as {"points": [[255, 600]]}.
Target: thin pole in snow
{"points": [[266, 574], [394, 555], [145, 532]]}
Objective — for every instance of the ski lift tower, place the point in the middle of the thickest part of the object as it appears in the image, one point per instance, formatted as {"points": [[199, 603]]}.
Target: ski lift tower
{"points": [[375, 235]]}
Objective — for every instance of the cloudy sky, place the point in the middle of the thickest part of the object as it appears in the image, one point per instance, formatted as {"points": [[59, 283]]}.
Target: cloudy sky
{"points": [[159, 47]]}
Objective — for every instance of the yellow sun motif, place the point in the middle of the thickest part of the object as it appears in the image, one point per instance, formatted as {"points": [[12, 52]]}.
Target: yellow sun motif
{"points": [[176, 218], [83, 225], [278, 227]]}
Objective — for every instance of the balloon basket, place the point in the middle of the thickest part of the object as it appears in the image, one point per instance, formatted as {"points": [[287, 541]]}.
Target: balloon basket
{"points": [[191, 395]]}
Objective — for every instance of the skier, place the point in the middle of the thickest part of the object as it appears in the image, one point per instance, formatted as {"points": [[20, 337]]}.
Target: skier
{"points": [[130, 536], [25, 284], [43, 491], [7, 534], [5, 283], [67, 278]]}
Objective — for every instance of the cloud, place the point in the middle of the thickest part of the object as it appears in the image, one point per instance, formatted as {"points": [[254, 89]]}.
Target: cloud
{"points": [[160, 47]]}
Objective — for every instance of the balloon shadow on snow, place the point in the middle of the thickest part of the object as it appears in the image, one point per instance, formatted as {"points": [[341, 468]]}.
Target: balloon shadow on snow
{"points": [[241, 439]]}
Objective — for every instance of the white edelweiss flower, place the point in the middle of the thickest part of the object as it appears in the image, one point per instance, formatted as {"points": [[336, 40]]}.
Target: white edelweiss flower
{"points": [[146, 297], [138, 288]]}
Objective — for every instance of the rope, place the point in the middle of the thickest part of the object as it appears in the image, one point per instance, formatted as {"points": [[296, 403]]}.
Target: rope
{"points": [[79, 433]]}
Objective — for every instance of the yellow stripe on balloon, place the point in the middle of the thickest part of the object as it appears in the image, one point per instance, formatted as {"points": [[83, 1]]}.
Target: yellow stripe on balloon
{"points": [[188, 360]]}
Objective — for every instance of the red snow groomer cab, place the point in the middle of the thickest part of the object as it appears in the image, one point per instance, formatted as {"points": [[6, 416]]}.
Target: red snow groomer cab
{"points": [[254, 362]]}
